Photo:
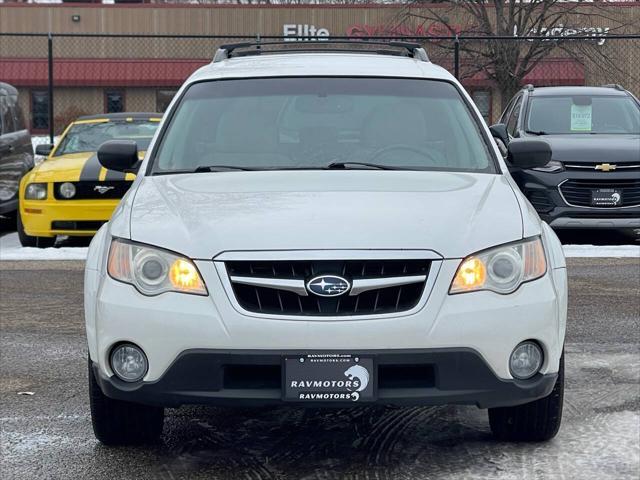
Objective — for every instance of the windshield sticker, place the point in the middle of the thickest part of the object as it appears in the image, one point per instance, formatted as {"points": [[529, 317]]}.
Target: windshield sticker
{"points": [[580, 118]]}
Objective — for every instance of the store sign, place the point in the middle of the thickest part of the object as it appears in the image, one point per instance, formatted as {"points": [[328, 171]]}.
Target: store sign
{"points": [[303, 32], [306, 32], [433, 30], [598, 33]]}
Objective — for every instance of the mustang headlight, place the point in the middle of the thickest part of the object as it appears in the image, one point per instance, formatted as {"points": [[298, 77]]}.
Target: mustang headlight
{"points": [[153, 271], [36, 191], [501, 269]]}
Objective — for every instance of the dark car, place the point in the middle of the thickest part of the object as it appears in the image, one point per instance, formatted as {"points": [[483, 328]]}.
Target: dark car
{"points": [[593, 179], [16, 151]]}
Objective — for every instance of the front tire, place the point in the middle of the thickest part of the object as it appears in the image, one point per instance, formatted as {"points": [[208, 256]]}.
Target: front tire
{"points": [[536, 421], [116, 422], [29, 241]]}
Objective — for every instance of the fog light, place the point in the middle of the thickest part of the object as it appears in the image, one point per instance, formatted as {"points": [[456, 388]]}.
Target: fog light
{"points": [[67, 190], [128, 362], [525, 360]]}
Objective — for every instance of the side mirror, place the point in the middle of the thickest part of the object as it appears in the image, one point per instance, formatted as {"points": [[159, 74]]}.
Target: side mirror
{"points": [[529, 153], [119, 155], [499, 131], [44, 149]]}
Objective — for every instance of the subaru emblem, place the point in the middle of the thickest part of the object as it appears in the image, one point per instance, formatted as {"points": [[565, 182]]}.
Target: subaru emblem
{"points": [[328, 286]]}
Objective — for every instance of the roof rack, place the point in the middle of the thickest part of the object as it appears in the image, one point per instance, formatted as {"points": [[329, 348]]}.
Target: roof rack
{"points": [[412, 50], [614, 85]]}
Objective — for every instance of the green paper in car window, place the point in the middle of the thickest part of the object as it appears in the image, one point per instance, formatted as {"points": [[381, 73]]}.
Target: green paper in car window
{"points": [[580, 118]]}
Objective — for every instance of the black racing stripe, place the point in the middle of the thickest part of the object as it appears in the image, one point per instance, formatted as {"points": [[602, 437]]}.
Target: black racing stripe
{"points": [[91, 170], [115, 175]]}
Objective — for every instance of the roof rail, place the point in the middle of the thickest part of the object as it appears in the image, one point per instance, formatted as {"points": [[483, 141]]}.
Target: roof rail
{"points": [[529, 87], [413, 50], [614, 85]]}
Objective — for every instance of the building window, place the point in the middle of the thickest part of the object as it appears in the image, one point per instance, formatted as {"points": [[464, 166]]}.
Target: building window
{"points": [[39, 110], [163, 98], [482, 99], [114, 101]]}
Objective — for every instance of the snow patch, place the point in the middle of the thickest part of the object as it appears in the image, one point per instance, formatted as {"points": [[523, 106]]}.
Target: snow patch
{"points": [[602, 251], [10, 249]]}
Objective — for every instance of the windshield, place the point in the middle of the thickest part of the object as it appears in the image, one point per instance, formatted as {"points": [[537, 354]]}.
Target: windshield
{"points": [[583, 114], [87, 137], [289, 123]]}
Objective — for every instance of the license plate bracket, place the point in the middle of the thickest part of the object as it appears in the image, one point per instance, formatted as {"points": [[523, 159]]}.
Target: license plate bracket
{"points": [[606, 197], [329, 378]]}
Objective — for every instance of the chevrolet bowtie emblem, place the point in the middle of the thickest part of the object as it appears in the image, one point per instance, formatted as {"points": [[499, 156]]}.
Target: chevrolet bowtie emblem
{"points": [[605, 167]]}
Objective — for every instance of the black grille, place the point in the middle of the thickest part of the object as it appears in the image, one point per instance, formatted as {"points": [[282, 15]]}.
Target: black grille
{"points": [[88, 225], [91, 190], [378, 301], [540, 200], [578, 192]]}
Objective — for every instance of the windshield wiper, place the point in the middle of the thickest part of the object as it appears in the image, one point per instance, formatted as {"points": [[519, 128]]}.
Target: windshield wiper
{"points": [[347, 165], [221, 168], [536, 132]]}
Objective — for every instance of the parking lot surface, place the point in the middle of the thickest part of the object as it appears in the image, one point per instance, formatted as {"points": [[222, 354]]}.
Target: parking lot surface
{"points": [[48, 434]]}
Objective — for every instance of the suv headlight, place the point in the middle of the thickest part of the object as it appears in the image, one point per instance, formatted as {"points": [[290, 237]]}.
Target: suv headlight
{"points": [[552, 167], [501, 269], [35, 191], [152, 270]]}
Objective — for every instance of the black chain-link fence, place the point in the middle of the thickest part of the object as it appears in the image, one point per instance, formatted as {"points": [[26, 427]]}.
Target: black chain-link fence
{"points": [[63, 76]]}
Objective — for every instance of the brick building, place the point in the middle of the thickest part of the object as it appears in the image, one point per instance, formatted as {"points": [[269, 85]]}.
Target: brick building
{"points": [[97, 74]]}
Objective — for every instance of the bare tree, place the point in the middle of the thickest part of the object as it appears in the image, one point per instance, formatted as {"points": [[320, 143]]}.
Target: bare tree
{"points": [[507, 62]]}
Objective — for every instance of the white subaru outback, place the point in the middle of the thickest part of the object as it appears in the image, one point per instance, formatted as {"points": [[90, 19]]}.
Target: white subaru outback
{"points": [[324, 228]]}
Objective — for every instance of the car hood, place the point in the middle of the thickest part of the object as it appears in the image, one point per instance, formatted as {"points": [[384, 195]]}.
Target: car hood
{"points": [[597, 148], [74, 167], [201, 215]]}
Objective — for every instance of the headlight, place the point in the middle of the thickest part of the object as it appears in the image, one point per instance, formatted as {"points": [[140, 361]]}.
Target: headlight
{"points": [[501, 269], [153, 271], [67, 190], [552, 167], [36, 191]]}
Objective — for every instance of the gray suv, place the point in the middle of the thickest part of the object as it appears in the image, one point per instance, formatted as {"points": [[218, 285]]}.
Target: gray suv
{"points": [[16, 151]]}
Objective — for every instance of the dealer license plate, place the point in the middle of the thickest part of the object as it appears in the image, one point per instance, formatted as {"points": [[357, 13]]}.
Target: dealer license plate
{"points": [[329, 378], [606, 197]]}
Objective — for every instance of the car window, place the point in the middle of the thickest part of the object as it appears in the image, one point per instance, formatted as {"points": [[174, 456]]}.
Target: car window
{"points": [[579, 114], [507, 111], [6, 116], [87, 137], [512, 124], [312, 122], [18, 116]]}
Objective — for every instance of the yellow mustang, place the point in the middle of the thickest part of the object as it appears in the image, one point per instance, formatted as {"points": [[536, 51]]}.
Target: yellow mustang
{"points": [[70, 193]]}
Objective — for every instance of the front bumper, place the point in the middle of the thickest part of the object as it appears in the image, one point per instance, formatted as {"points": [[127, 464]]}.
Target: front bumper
{"points": [[489, 324], [47, 218], [254, 378], [543, 191]]}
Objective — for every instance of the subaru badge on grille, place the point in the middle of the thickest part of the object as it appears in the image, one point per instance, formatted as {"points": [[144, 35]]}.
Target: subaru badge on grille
{"points": [[328, 286]]}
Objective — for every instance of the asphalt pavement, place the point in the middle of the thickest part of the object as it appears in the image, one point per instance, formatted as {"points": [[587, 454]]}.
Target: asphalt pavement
{"points": [[48, 434]]}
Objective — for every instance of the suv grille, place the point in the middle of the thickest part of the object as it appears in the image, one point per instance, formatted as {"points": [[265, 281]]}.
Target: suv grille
{"points": [[91, 190], [578, 192], [274, 300], [619, 167]]}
